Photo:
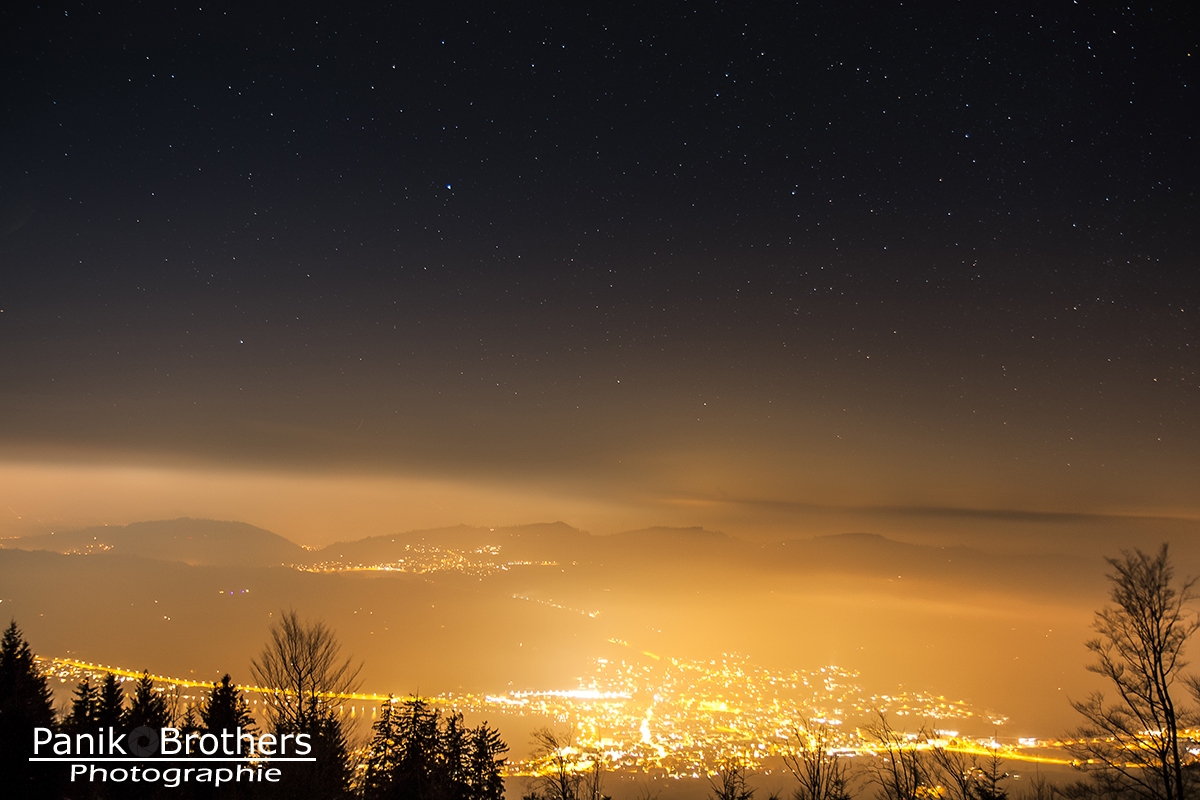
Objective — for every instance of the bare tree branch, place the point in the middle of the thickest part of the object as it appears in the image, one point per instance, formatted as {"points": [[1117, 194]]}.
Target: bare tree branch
{"points": [[303, 670], [1131, 745], [899, 769], [821, 773]]}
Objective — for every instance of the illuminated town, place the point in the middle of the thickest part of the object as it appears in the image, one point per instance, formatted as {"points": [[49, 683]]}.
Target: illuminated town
{"points": [[669, 717], [427, 558]]}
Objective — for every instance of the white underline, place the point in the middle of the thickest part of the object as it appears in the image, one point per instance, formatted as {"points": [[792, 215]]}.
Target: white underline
{"points": [[271, 759]]}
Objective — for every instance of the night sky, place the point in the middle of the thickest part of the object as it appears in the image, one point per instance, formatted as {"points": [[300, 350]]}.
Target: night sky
{"points": [[660, 263]]}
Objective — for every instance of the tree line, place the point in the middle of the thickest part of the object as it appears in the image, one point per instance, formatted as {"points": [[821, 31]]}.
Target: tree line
{"points": [[415, 752]]}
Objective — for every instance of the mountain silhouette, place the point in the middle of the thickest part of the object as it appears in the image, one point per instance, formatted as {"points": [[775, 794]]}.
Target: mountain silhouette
{"points": [[198, 542]]}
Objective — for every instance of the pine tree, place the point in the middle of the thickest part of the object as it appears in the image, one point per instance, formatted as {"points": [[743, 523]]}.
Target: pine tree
{"points": [[417, 774], [452, 747], [24, 705], [85, 707], [485, 762], [329, 775], [417, 754], [111, 711], [991, 778], [382, 755], [225, 709], [191, 722], [148, 706], [331, 771]]}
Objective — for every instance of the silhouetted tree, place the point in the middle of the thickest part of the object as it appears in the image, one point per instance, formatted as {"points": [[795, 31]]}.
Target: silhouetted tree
{"points": [[383, 755], [485, 763], [85, 707], [591, 787], [564, 771], [730, 782], [821, 773], [965, 776], [417, 753], [303, 670], [899, 769], [990, 778], [957, 772], [329, 776], [191, 722], [1130, 745], [557, 776], [148, 706], [453, 756], [24, 704], [420, 772], [225, 709], [111, 710]]}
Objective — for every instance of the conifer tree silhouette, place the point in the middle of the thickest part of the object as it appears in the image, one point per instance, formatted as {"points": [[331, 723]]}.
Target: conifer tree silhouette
{"points": [[383, 755], [148, 707], [417, 754], [225, 709], [24, 705], [111, 710], [485, 762], [85, 707]]}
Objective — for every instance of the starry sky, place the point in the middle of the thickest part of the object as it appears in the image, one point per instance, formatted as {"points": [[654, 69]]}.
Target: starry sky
{"points": [[765, 267]]}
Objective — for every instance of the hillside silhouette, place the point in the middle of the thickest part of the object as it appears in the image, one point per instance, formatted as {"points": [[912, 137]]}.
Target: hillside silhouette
{"points": [[193, 541]]}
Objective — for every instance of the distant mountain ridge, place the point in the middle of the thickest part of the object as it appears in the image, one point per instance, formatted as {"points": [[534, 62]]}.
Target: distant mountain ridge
{"points": [[645, 552], [198, 542]]}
